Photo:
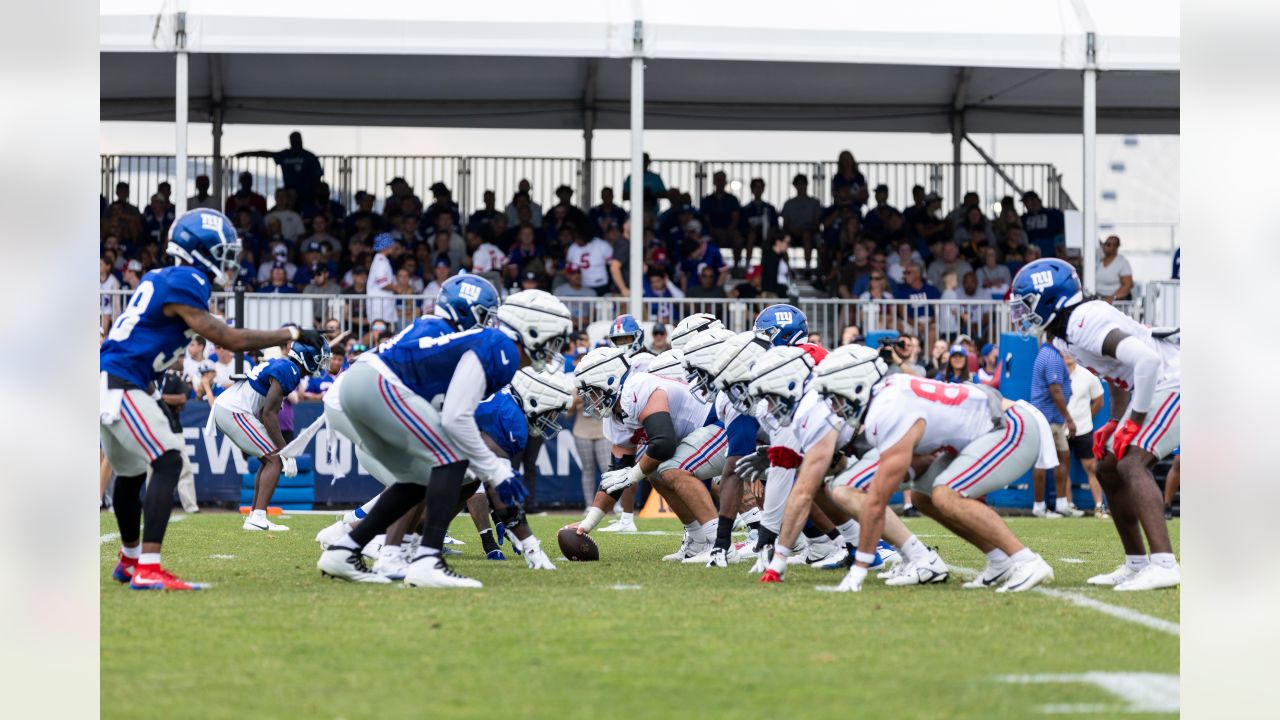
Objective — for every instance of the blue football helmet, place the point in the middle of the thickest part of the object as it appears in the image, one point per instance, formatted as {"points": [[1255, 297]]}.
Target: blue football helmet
{"points": [[626, 326], [313, 361], [467, 301], [207, 240], [783, 325], [1040, 290]]}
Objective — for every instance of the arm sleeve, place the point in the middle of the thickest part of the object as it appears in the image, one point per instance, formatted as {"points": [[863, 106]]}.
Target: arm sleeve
{"points": [[465, 392], [1146, 368], [662, 436]]}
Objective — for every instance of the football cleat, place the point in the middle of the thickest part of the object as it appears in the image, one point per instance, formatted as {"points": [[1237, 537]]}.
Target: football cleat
{"points": [[262, 525], [374, 547], [1046, 513], [1072, 512], [1115, 577], [706, 557], [450, 540], [770, 576], [993, 574], [746, 518], [433, 571], [1027, 575], [154, 577], [718, 558], [928, 571], [347, 564], [620, 526], [1152, 577], [683, 552], [837, 557], [391, 564], [125, 569], [495, 554], [332, 534], [889, 555], [534, 557]]}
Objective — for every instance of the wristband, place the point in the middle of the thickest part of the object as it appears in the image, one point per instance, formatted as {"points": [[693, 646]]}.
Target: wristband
{"points": [[781, 551], [594, 514], [636, 474], [294, 333], [864, 558]]}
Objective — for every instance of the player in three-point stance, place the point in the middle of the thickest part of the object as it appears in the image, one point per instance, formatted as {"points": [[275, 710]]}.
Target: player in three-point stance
{"points": [[1143, 369], [169, 307]]}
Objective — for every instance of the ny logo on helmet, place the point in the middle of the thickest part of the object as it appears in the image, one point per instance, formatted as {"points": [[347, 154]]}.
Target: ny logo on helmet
{"points": [[209, 221], [1041, 280], [784, 318], [469, 291]]}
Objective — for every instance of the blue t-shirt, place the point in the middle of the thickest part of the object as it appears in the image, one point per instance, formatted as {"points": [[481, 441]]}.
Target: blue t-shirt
{"points": [[282, 370], [928, 292], [1049, 370], [285, 289], [501, 418], [426, 363], [143, 341], [598, 218], [712, 258], [719, 209], [1046, 229]]}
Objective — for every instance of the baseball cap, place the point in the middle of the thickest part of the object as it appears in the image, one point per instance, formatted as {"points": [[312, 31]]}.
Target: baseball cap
{"points": [[315, 246], [986, 349], [962, 338], [659, 329], [443, 261], [133, 265], [933, 197], [279, 251], [382, 242], [439, 189], [959, 350], [686, 209], [531, 275], [396, 180]]}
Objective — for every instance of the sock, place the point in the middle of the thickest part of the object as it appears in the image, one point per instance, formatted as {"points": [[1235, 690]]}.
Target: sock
{"points": [[486, 540], [1164, 560], [849, 531], [1061, 506], [1037, 507], [351, 516], [997, 556], [626, 517], [396, 501], [258, 515], [913, 549], [149, 559], [754, 525], [1135, 562], [442, 502], [906, 502], [834, 535], [724, 533], [131, 552], [1022, 556], [782, 552], [710, 531], [766, 537]]}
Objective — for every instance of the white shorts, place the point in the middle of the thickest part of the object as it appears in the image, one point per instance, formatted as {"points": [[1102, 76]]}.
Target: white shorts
{"points": [[701, 453], [245, 430], [1161, 433], [138, 434], [858, 476]]}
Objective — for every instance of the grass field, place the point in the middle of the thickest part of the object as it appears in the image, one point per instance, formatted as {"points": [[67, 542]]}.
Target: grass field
{"points": [[627, 637]]}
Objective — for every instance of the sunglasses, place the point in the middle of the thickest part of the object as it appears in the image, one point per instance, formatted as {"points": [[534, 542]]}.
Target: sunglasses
{"points": [[877, 277]]}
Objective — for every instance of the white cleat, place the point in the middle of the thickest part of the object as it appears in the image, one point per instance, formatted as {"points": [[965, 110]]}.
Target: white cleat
{"points": [[534, 557], [930, 570], [620, 526], [1115, 577], [717, 558], [1046, 513], [374, 548], [746, 518], [433, 571], [347, 564], [1072, 512], [992, 575], [831, 561], [1152, 577], [711, 557], [391, 564], [450, 540], [262, 525], [683, 552], [1027, 575], [332, 534]]}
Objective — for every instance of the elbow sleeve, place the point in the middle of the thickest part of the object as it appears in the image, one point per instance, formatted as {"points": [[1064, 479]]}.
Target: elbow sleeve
{"points": [[662, 436]]}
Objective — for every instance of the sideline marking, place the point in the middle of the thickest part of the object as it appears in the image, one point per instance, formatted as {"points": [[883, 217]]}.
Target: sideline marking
{"points": [[621, 586], [1141, 692], [222, 557], [1072, 561]]}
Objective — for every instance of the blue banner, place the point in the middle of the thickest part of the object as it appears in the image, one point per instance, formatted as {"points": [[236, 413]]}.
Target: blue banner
{"points": [[219, 464]]}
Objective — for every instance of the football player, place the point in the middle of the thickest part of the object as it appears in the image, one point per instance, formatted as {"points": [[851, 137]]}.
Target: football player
{"points": [[1143, 368], [690, 327], [248, 413], [388, 409], [627, 333], [168, 308]]}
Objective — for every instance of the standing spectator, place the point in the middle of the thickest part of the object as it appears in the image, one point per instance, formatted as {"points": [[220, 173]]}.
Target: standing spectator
{"points": [[993, 278], [759, 219], [1114, 276], [363, 220], [989, 367], [382, 278], [956, 367], [245, 197], [652, 188], [300, 168], [1086, 401], [173, 396], [800, 217], [442, 202], [591, 259], [606, 214], [1045, 227], [522, 197], [156, 220], [122, 201], [572, 215], [848, 175], [1050, 393], [485, 215], [724, 214], [291, 225], [877, 220], [915, 210], [775, 278], [202, 198]]}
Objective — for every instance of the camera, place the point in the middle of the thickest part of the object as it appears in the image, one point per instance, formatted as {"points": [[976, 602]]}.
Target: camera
{"points": [[889, 349]]}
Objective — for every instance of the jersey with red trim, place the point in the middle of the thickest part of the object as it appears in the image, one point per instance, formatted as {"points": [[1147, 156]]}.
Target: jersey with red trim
{"points": [[1090, 324], [688, 413], [592, 260], [954, 414]]}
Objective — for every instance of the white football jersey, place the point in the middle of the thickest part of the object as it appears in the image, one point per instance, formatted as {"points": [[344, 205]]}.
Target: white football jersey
{"points": [[954, 414], [592, 260], [688, 413], [1088, 327], [487, 258], [812, 422]]}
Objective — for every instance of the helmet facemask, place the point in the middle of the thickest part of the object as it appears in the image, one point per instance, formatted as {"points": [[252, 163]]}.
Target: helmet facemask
{"points": [[1023, 315], [701, 383]]}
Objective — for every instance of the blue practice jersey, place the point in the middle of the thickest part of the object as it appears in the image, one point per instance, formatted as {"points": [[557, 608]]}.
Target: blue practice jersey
{"points": [[428, 326], [425, 364], [501, 419], [143, 341], [282, 370]]}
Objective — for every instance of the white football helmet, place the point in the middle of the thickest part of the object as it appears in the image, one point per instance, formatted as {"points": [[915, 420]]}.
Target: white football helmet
{"points": [[668, 365], [540, 322], [543, 396], [779, 378], [691, 326], [730, 370], [702, 352], [599, 377], [845, 379]]}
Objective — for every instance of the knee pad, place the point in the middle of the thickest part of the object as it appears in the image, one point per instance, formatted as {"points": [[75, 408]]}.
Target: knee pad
{"points": [[167, 468]]}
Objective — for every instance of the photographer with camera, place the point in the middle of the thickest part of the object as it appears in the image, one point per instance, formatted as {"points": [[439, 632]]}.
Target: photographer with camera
{"points": [[900, 355]]}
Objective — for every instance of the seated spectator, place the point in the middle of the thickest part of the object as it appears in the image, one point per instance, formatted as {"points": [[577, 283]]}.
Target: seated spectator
{"points": [[904, 252], [660, 343], [801, 215], [759, 219], [751, 287], [363, 220], [202, 198], [993, 278], [776, 280], [850, 335], [277, 282], [949, 260], [122, 200], [440, 271], [652, 187], [848, 176], [989, 366], [936, 362], [971, 232], [699, 251], [486, 259], [915, 210], [523, 199], [876, 221], [321, 282], [957, 367], [572, 287], [245, 197], [279, 256], [572, 215], [320, 234], [485, 215], [1045, 227], [445, 239], [959, 217], [723, 215], [708, 285], [1113, 278], [606, 214], [156, 220], [291, 225], [357, 311], [442, 201], [929, 226], [914, 287], [1007, 220], [321, 202], [312, 253], [657, 286], [854, 270], [315, 387], [590, 258], [401, 190], [842, 212]]}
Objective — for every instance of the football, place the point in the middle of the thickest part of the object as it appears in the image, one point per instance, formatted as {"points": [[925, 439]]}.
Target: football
{"points": [[577, 547]]}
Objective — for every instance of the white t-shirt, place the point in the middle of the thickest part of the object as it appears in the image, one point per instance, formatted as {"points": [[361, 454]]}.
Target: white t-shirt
{"points": [[1088, 327], [1107, 279], [291, 225], [1085, 386], [688, 413], [381, 276], [487, 258], [108, 301], [592, 260]]}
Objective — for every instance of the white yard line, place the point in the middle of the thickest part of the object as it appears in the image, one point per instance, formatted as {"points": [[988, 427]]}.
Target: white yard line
{"points": [[1137, 692], [107, 537]]}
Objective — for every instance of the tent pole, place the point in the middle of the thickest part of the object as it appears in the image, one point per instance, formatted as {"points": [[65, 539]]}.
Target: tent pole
{"points": [[217, 154], [637, 171], [1090, 121], [588, 134], [180, 116], [957, 141]]}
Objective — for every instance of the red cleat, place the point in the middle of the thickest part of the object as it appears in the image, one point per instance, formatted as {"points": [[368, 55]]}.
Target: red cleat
{"points": [[124, 569], [770, 576], [154, 577]]}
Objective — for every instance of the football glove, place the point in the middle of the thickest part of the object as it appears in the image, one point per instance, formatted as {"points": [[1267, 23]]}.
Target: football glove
{"points": [[751, 468], [512, 490], [1123, 436], [1100, 438], [534, 557], [617, 480], [290, 466]]}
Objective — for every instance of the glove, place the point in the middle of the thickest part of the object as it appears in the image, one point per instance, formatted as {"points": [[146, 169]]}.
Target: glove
{"points": [[751, 467], [534, 557], [312, 338], [1100, 438], [1123, 436], [512, 490], [853, 581], [762, 560], [616, 480], [290, 466]]}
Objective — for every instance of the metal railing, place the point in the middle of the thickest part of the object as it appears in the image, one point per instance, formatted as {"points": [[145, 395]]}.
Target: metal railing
{"points": [[469, 176]]}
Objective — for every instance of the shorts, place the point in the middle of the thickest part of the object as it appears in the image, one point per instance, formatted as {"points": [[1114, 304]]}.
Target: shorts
{"points": [[1081, 446], [246, 431], [858, 476], [138, 436], [990, 462], [702, 453], [1160, 435], [1059, 436]]}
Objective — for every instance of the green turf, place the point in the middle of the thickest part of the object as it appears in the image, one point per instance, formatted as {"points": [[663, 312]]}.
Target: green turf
{"points": [[274, 639]]}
